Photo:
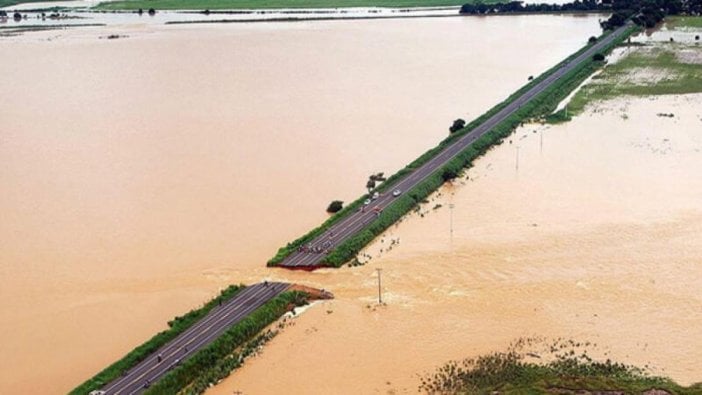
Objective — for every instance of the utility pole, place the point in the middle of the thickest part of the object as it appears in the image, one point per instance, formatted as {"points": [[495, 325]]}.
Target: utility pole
{"points": [[451, 205], [380, 298]]}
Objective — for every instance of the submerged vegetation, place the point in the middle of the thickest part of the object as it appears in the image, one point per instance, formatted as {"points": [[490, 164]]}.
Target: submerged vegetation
{"points": [[566, 369], [176, 326]]}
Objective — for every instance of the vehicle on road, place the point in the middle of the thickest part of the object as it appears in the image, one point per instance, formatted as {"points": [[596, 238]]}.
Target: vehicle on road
{"points": [[396, 192], [376, 195], [367, 202]]}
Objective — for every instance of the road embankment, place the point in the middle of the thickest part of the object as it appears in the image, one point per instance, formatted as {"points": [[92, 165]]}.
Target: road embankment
{"points": [[536, 107]]}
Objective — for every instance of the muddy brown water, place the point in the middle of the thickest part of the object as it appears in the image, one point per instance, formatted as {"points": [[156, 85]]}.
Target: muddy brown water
{"points": [[141, 175], [595, 237]]}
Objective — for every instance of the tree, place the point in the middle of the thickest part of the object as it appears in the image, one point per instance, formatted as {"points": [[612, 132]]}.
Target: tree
{"points": [[449, 174], [457, 125], [152, 12], [17, 16], [370, 185], [598, 57], [592, 40], [335, 206]]}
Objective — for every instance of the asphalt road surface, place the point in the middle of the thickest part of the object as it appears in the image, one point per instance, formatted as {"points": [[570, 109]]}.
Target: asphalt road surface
{"points": [[355, 222], [194, 338]]}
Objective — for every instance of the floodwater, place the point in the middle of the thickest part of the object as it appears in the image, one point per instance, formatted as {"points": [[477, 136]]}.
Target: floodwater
{"points": [[594, 233], [141, 175]]}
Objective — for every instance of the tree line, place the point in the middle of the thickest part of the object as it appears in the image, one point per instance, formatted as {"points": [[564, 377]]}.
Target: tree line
{"points": [[645, 13]]}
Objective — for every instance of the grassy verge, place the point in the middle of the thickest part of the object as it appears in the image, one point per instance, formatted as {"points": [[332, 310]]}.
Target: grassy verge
{"points": [[268, 4], [176, 326], [657, 69], [540, 106], [684, 22], [217, 360], [568, 373], [283, 252]]}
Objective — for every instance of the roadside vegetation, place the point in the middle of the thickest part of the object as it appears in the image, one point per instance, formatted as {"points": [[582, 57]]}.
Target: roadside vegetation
{"points": [[216, 361], [270, 4], [176, 326], [567, 369]]}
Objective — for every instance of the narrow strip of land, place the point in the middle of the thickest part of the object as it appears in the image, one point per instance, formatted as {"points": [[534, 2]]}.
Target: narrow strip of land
{"points": [[312, 255], [201, 334]]}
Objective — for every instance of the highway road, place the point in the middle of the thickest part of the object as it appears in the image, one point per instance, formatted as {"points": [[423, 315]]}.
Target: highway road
{"points": [[355, 222], [201, 334]]}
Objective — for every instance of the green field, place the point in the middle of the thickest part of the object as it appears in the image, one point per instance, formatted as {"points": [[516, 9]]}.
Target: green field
{"points": [[658, 69], [257, 4], [684, 21], [8, 3]]}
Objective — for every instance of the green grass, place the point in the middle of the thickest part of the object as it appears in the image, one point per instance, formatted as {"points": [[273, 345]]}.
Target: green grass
{"points": [[176, 326], [263, 4], [684, 22], [8, 3], [634, 74]]}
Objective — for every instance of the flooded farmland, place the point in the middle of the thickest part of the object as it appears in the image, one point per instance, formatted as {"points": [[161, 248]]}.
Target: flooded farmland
{"points": [[594, 235], [141, 175]]}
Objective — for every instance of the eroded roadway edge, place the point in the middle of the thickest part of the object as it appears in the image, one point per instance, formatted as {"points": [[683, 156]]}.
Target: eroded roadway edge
{"points": [[356, 221], [202, 333]]}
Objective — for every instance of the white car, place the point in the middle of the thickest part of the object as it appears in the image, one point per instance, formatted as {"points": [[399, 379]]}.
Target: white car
{"points": [[367, 202], [396, 192], [376, 195]]}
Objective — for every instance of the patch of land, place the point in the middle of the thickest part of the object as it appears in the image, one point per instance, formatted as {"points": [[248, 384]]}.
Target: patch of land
{"points": [[684, 22], [564, 368], [650, 70], [269, 4]]}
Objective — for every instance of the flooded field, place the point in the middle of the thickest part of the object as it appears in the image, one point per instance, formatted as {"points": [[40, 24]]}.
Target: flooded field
{"points": [[141, 175], [594, 235]]}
